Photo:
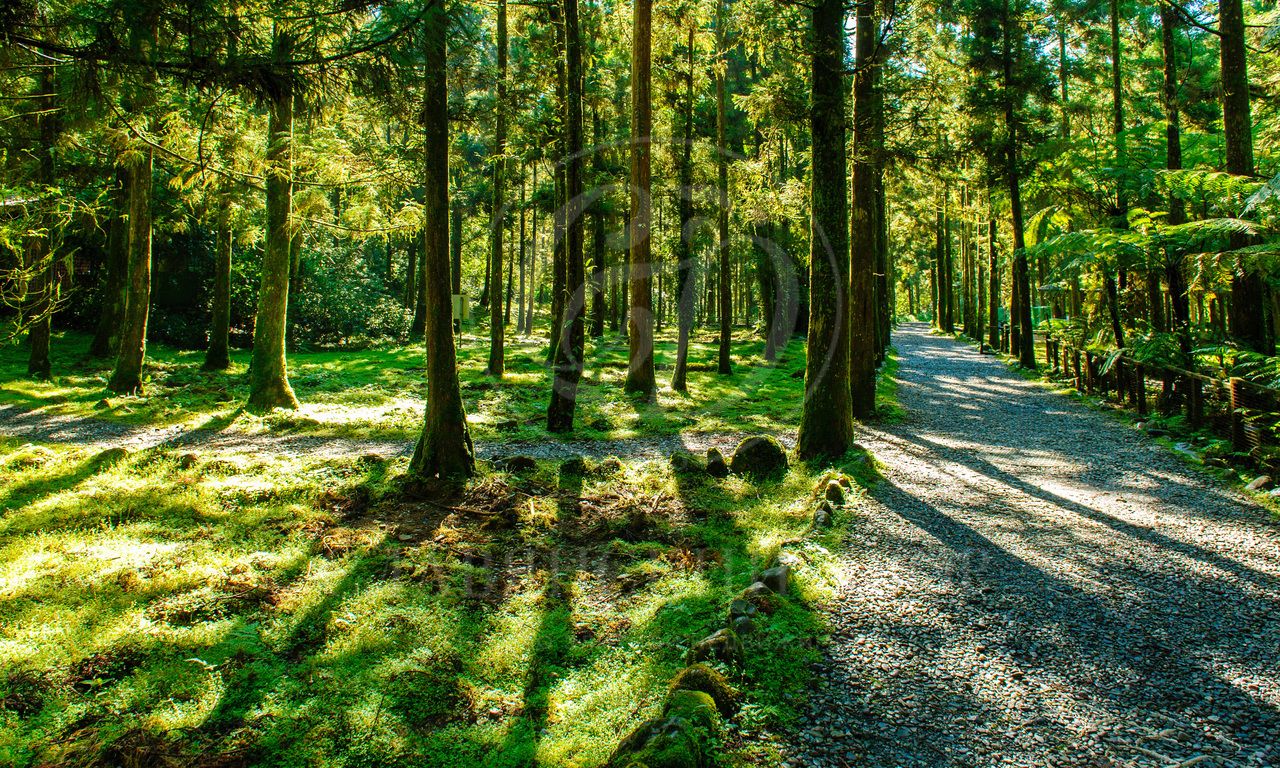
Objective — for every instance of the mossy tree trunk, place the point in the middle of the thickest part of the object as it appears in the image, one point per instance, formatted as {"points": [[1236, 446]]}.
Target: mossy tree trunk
{"points": [[127, 376], [106, 337], [444, 449], [567, 368], [826, 423], [268, 373], [640, 372], [217, 356]]}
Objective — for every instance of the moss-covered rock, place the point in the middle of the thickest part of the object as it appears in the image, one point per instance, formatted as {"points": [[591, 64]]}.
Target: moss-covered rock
{"points": [[723, 645], [575, 466], [759, 457], [685, 463], [705, 679], [716, 464], [683, 737]]}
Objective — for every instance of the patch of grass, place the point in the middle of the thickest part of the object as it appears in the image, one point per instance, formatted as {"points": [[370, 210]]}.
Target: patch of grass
{"points": [[243, 609], [889, 409]]}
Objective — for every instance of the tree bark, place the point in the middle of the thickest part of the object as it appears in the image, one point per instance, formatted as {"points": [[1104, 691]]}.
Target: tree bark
{"points": [[1174, 258], [44, 260], [106, 336], [268, 375], [724, 364], [411, 273], [826, 422], [127, 376], [533, 260], [862, 262], [685, 258], [218, 355], [597, 241], [569, 352], [444, 449], [1248, 288], [640, 373], [419, 325], [520, 300], [993, 288], [497, 329], [1026, 350]]}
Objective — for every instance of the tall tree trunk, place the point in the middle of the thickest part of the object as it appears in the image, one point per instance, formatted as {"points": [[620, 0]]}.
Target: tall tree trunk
{"points": [[455, 253], [1122, 200], [218, 355], [685, 258], [1064, 125], [444, 449], [411, 272], [127, 376], [885, 285], [520, 302], [533, 260], [826, 423], [419, 325], [106, 333], [597, 241], [1248, 288], [862, 262], [497, 329], [43, 258], [993, 303], [559, 258], [640, 374], [268, 375], [511, 265], [1174, 258], [569, 352], [1027, 346], [724, 364], [939, 272]]}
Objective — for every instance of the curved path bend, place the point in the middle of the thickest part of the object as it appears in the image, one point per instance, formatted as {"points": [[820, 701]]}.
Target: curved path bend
{"points": [[1035, 584]]}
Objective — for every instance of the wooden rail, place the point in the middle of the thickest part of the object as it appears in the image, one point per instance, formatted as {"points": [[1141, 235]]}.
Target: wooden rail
{"points": [[1234, 409]]}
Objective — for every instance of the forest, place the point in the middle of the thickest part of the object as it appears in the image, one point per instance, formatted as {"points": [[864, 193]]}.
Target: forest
{"points": [[649, 385]]}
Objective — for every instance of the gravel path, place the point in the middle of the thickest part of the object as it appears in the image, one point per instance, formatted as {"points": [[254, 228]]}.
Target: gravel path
{"points": [[41, 426], [1035, 584]]}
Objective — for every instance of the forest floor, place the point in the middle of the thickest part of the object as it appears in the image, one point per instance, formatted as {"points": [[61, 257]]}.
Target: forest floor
{"points": [[1035, 583], [233, 589]]}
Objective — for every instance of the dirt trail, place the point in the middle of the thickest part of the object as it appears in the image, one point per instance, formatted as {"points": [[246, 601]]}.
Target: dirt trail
{"points": [[1035, 584]]}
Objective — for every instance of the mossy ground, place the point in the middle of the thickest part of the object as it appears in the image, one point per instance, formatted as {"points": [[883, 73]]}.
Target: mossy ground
{"points": [[378, 393], [198, 608]]}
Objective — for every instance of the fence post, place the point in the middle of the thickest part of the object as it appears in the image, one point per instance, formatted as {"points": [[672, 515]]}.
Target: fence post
{"points": [[1195, 406], [1075, 363]]}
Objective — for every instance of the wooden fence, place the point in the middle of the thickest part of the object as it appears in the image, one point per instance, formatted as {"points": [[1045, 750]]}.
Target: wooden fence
{"points": [[1234, 409]]}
